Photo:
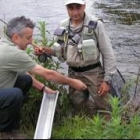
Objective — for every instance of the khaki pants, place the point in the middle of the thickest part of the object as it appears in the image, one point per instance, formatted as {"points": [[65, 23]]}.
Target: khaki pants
{"points": [[93, 102]]}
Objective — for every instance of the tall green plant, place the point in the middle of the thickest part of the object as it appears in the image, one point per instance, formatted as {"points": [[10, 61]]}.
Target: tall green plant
{"points": [[31, 107], [99, 127]]}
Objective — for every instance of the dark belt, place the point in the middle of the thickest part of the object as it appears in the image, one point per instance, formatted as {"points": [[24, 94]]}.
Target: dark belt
{"points": [[82, 69]]}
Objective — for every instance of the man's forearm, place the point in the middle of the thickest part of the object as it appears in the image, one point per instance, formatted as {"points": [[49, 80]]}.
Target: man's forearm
{"points": [[58, 78], [48, 51], [37, 84]]}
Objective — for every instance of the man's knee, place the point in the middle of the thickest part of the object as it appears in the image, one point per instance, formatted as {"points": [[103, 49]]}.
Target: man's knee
{"points": [[24, 82], [29, 80]]}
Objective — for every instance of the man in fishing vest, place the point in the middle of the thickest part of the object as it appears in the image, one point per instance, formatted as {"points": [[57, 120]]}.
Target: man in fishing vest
{"points": [[81, 40]]}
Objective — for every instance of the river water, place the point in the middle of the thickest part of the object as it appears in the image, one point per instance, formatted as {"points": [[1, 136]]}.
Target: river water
{"points": [[121, 17]]}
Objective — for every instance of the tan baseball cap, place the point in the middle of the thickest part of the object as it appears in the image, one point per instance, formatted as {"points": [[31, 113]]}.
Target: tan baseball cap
{"points": [[82, 2]]}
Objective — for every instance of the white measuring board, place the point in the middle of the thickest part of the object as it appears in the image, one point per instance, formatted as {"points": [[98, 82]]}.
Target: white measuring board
{"points": [[46, 116]]}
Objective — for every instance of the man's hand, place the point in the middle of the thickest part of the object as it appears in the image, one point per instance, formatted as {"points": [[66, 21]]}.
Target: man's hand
{"points": [[48, 90], [77, 84], [39, 50], [104, 88]]}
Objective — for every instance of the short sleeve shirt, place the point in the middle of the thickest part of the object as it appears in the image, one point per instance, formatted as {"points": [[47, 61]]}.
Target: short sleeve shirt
{"points": [[13, 62]]}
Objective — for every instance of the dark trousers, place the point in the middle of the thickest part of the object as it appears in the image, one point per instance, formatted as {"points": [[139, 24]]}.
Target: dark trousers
{"points": [[11, 100]]}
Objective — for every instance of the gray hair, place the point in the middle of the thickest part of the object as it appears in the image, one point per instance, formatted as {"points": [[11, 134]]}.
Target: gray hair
{"points": [[17, 24]]}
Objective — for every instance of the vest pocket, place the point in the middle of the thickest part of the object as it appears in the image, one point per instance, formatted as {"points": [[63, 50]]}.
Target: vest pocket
{"points": [[89, 50], [73, 57]]}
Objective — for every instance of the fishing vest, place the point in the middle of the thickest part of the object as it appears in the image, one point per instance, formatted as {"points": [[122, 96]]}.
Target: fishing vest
{"points": [[85, 51]]}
